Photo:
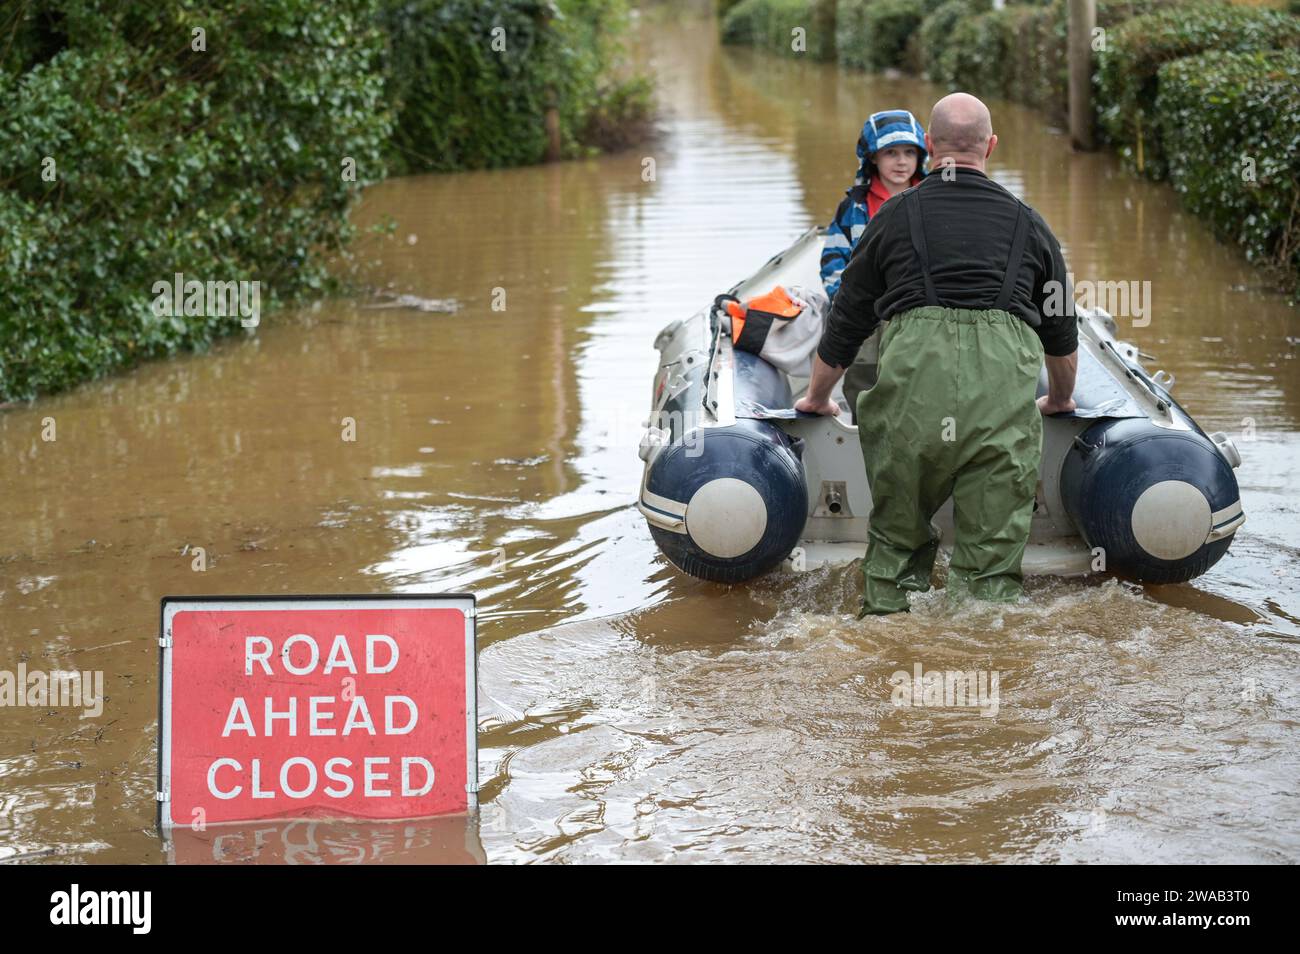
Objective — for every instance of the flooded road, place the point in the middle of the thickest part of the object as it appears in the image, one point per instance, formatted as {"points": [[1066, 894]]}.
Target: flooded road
{"points": [[626, 711]]}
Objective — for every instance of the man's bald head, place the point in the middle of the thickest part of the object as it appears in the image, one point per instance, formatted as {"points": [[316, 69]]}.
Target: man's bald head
{"points": [[961, 128]]}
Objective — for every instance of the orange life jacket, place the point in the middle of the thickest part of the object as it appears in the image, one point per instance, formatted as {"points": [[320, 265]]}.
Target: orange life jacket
{"points": [[758, 314]]}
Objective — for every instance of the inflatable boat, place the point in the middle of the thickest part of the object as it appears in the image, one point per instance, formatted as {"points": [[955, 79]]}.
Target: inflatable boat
{"points": [[737, 483]]}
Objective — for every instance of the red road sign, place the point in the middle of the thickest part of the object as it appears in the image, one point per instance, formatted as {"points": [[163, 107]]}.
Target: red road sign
{"points": [[316, 707]]}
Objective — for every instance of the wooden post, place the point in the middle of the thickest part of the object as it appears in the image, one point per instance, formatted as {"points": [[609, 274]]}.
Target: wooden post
{"points": [[551, 107], [551, 121], [1083, 19]]}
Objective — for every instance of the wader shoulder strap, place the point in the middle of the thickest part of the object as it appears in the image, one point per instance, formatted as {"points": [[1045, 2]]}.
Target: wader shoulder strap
{"points": [[1013, 262], [912, 203]]}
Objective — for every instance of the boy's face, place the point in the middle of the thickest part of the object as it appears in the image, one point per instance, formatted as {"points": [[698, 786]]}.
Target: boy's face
{"points": [[897, 164]]}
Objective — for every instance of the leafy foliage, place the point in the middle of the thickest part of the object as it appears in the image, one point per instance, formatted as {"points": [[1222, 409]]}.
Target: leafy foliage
{"points": [[1128, 68], [1018, 52], [225, 164], [471, 80], [769, 25], [1230, 125], [132, 148], [873, 34], [935, 34]]}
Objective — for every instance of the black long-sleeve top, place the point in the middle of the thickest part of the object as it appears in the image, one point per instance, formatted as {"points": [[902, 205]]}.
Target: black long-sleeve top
{"points": [[969, 223]]}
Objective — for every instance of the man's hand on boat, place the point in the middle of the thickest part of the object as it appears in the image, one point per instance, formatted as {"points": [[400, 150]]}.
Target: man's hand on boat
{"points": [[817, 399], [1061, 373], [1048, 405], [809, 406]]}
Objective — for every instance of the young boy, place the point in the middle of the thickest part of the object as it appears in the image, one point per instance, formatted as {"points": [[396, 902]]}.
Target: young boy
{"points": [[891, 153], [891, 157]]}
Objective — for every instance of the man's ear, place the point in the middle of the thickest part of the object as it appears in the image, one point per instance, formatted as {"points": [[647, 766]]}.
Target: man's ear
{"points": [[929, 146], [993, 141]]}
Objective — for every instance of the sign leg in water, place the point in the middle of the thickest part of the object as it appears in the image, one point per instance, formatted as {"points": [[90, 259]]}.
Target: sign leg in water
{"points": [[316, 707]]}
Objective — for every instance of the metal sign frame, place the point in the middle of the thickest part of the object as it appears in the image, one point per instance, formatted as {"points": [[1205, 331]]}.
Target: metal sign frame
{"points": [[169, 606]]}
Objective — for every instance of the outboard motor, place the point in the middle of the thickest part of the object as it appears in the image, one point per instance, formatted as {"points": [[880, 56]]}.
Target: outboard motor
{"points": [[1162, 504]]}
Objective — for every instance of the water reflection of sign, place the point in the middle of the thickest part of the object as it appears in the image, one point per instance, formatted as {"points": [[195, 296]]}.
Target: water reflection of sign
{"points": [[314, 707], [450, 840]]}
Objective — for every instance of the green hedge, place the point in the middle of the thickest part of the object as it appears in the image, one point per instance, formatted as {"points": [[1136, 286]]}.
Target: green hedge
{"points": [[461, 103], [232, 163], [873, 34], [1018, 52], [975, 54], [225, 165], [1230, 127], [936, 34], [852, 38], [768, 25], [1135, 51]]}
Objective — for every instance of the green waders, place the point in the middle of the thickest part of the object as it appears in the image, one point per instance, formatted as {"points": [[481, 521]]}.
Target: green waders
{"points": [[952, 413]]}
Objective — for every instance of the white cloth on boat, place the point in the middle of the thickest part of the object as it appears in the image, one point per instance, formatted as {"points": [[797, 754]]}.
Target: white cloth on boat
{"points": [[790, 344]]}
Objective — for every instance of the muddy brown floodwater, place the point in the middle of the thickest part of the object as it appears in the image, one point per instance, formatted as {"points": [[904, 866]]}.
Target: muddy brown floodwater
{"points": [[627, 711]]}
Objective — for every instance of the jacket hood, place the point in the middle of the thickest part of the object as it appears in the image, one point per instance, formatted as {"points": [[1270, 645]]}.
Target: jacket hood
{"points": [[891, 127]]}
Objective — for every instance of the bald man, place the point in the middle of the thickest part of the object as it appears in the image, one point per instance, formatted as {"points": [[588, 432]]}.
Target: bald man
{"points": [[962, 271]]}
